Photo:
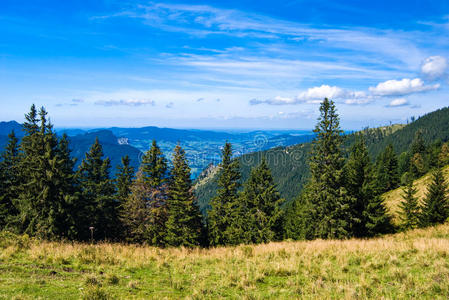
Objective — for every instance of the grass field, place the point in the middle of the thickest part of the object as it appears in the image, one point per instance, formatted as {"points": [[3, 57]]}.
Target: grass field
{"points": [[405, 265]]}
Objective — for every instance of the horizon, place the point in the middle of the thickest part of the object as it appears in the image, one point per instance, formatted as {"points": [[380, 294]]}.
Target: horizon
{"points": [[223, 65]]}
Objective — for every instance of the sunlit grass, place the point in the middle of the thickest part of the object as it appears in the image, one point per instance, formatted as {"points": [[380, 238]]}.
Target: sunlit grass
{"points": [[405, 265]]}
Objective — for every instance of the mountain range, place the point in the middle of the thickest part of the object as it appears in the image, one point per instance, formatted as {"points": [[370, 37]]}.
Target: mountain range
{"points": [[202, 147]]}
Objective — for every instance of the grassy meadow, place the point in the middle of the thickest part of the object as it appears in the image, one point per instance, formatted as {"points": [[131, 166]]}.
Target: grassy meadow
{"points": [[405, 265]]}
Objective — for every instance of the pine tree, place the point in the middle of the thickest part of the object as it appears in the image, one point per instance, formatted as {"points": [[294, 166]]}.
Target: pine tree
{"points": [[124, 179], [361, 185], [387, 170], [261, 206], [224, 218], [444, 154], [155, 177], [69, 189], [378, 221], [184, 218], [154, 167], [435, 208], [42, 198], [9, 176], [100, 205], [409, 207], [329, 203], [418, 156], [135, 212]]}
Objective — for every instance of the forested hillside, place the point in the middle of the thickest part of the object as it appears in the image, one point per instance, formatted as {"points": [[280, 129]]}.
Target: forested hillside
{"points": [[289, 164]]}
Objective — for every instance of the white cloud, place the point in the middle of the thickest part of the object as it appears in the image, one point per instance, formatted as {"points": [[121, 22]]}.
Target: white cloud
{"points": [[401, 87], [398, 102], [320, 92], [129, 102], [317, 94], [434, 67]]}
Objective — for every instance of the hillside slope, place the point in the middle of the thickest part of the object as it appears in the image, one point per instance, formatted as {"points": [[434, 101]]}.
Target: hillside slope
{"points": [[394, 198], [412, 265]]}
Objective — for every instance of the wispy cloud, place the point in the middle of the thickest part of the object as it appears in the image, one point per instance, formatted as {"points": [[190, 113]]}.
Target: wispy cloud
{"points": [[73, 102], [130, 102], [202, 21]]}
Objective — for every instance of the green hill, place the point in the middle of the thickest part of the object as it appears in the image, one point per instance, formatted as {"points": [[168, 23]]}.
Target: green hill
{"points": [[289, 164], [393, 198]]}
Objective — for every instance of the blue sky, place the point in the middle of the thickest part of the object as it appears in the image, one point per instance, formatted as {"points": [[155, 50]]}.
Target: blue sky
{"points": [[223, 64]]}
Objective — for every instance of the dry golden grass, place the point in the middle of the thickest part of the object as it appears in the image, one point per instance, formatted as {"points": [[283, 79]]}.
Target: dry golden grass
{"points": [[406, 265]]}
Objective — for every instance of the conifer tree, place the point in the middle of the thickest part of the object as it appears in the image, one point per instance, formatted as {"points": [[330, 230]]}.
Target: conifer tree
{"points": [[154, 176], [69, 188], [378, 220], [444, 154], [435, 208], [9, 176], [409, 207], [184, 218], [418, 156], [387, 170], [100, 205], [224, 218], [154, 167], [329, 203], [42, 195], [361, 185], [136, 213], [261, 206], [124, 179]]}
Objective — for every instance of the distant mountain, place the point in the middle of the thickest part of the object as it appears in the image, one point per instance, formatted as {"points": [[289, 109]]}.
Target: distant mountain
{"points": [[81, 143], [202, 147], [7, 127]]}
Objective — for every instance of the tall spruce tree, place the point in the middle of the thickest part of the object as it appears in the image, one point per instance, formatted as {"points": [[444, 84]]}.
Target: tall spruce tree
{"points": [[136, 212], [124, 179], [224, 219], [261, 210], [154, 176], [329, 202], [42, 195], [435, 208], [361, 185], [387, 171], [9, 180], [100, 205], [154, 167], [184, 217], [69, 188], [409, 207]]}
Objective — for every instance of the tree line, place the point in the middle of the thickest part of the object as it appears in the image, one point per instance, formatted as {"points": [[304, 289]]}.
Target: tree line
{"points": [[43, 195]]}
